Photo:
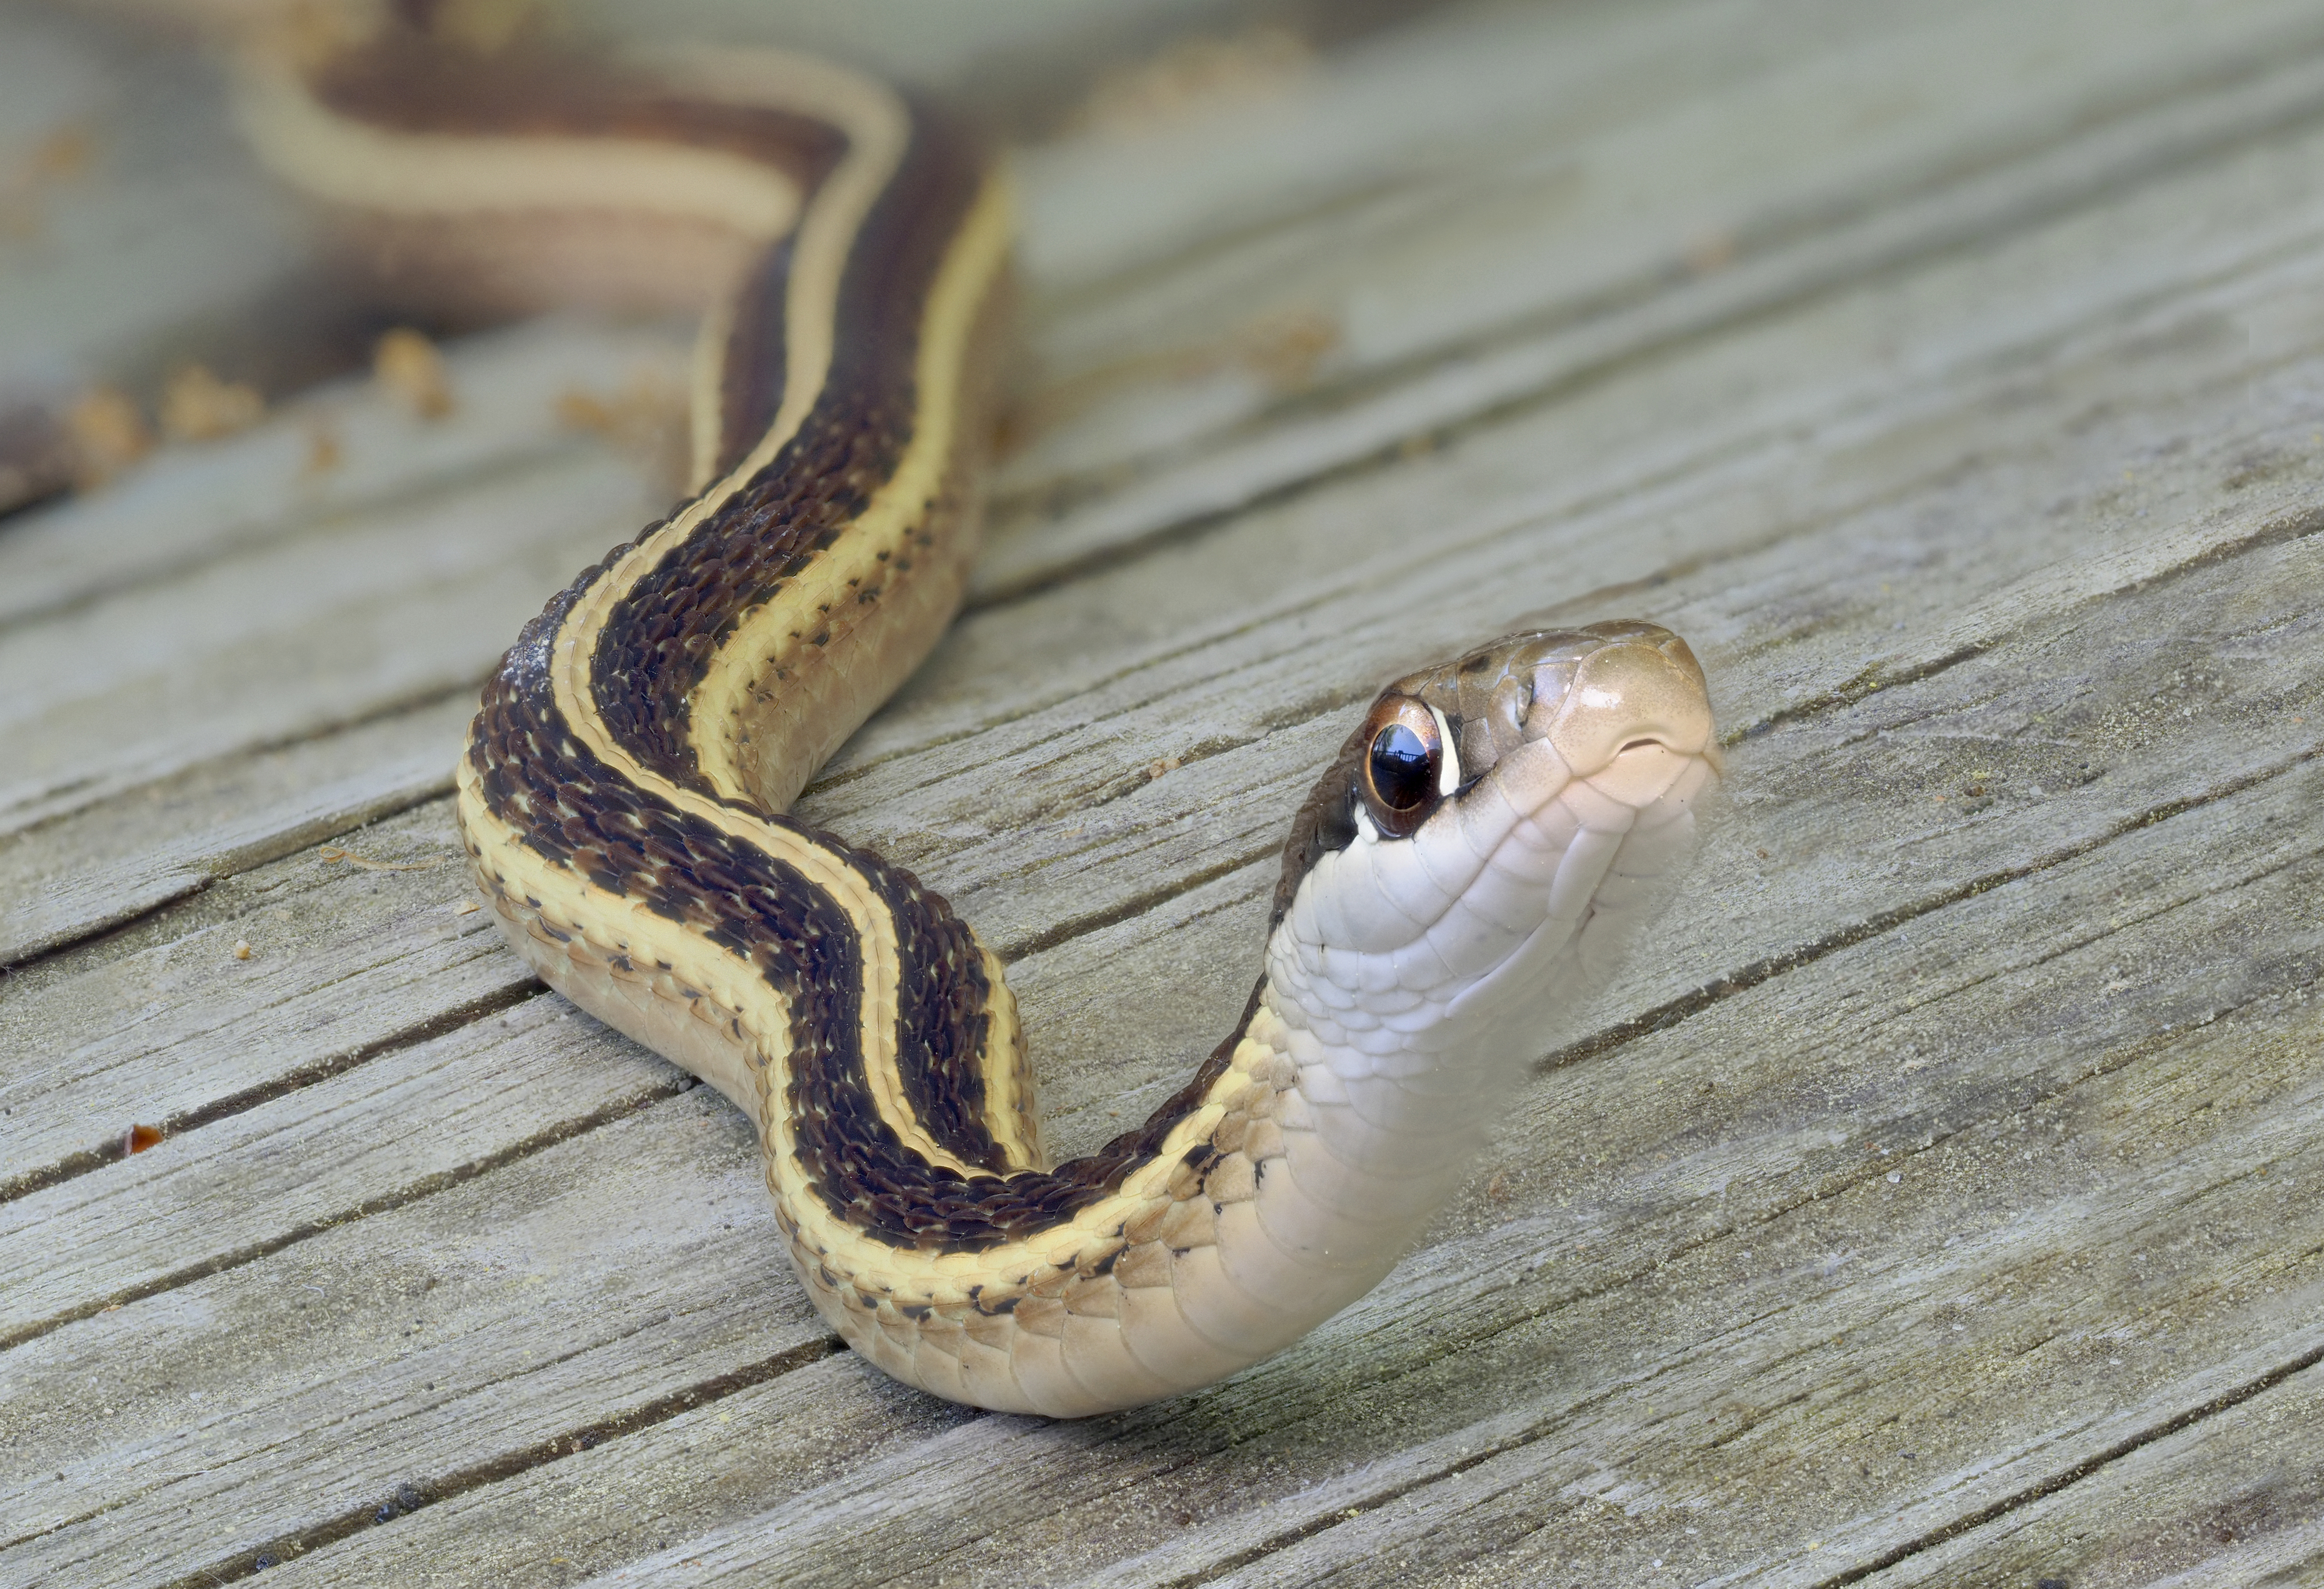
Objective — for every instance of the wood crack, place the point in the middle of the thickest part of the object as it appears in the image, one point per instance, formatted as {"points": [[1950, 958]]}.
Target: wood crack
{"points": [[2257, 1385], [410, 1495], [1065, 930], [74, 1165], [425, 1186], [1672, 1011]]}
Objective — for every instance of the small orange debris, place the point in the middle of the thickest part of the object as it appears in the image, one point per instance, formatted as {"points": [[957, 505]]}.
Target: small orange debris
{"points": [[107, 435], [410, 370], [196, 406], [1712, 251], [1194, 76], [1283, 349], [138, 1138], [323, 453], [482, 27], [330, 853], [242, 948], [577, 409], [309, 34], [646, 419], [63, 155]]}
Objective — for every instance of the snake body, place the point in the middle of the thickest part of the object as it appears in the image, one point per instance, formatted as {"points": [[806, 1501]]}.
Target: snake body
{"points": [[1481, 847]]}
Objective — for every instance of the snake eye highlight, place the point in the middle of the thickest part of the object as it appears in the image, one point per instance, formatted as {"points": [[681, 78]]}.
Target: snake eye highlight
{"points": [[1404, 758]]}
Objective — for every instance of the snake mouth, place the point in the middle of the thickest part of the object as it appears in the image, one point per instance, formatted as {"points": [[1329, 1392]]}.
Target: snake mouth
{"points": [[1708, 751]]}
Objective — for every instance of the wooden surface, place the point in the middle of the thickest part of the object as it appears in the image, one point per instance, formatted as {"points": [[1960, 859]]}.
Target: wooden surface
{"points": [[1938, 1199]]}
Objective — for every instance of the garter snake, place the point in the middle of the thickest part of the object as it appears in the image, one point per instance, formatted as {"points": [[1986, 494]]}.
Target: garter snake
{"points": [[1482, 845]]}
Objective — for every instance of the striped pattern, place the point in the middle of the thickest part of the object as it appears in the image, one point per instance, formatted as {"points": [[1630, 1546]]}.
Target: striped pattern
{"points": [[623, 792]]}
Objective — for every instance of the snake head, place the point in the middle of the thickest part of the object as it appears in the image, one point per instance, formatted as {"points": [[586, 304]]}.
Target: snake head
{"points": [[1498, 827], [1591, 693]]}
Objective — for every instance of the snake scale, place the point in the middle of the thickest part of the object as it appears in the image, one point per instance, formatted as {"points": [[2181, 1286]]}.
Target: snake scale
{"points": [[1479, 850]]}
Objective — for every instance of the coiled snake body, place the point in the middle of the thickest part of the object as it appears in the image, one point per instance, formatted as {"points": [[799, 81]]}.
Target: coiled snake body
{"points": [[1481, 847]]}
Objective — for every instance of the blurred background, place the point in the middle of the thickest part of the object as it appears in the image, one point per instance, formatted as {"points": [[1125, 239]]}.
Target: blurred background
{"points": [[142, 246]]}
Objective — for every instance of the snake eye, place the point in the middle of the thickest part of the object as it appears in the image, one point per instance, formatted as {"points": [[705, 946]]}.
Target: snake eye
{"points": [[1401, 773], [1402, 776]]}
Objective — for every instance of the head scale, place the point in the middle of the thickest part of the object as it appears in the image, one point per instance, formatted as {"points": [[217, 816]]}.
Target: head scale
{"points": [[1495, 825]]}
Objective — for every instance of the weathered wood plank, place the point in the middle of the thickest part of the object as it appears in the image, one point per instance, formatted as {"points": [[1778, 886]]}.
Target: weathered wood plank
{"points": [[376, 1136], [446, 1332], [1884, 206], [1591, 127], [2010, 903], [170, 1029], [113, 863], [1786, 1114], [386, 611], [2236, 1498]]}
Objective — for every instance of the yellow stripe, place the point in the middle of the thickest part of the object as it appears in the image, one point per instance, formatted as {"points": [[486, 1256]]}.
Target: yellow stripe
{"points": [[706, 401], [877, 129], [775, 637], [438, 173], [1008, 1112]]}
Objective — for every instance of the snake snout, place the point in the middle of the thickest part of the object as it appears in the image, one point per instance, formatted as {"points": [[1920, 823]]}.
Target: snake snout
{"points": [[1595, 694], [1641, 690]]}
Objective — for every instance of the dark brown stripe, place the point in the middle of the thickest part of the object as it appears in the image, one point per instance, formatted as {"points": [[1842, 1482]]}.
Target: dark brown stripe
{"points": [[405, 80], [659, 639], [575, 811], [751, 374], [1326, 822]]}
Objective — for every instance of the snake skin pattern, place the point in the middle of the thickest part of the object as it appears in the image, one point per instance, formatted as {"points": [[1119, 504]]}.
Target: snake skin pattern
{"points": [[1482, 848]]}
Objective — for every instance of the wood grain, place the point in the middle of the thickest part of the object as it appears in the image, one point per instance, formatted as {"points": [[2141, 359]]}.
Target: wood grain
{"points": [[1936, 1201]]}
